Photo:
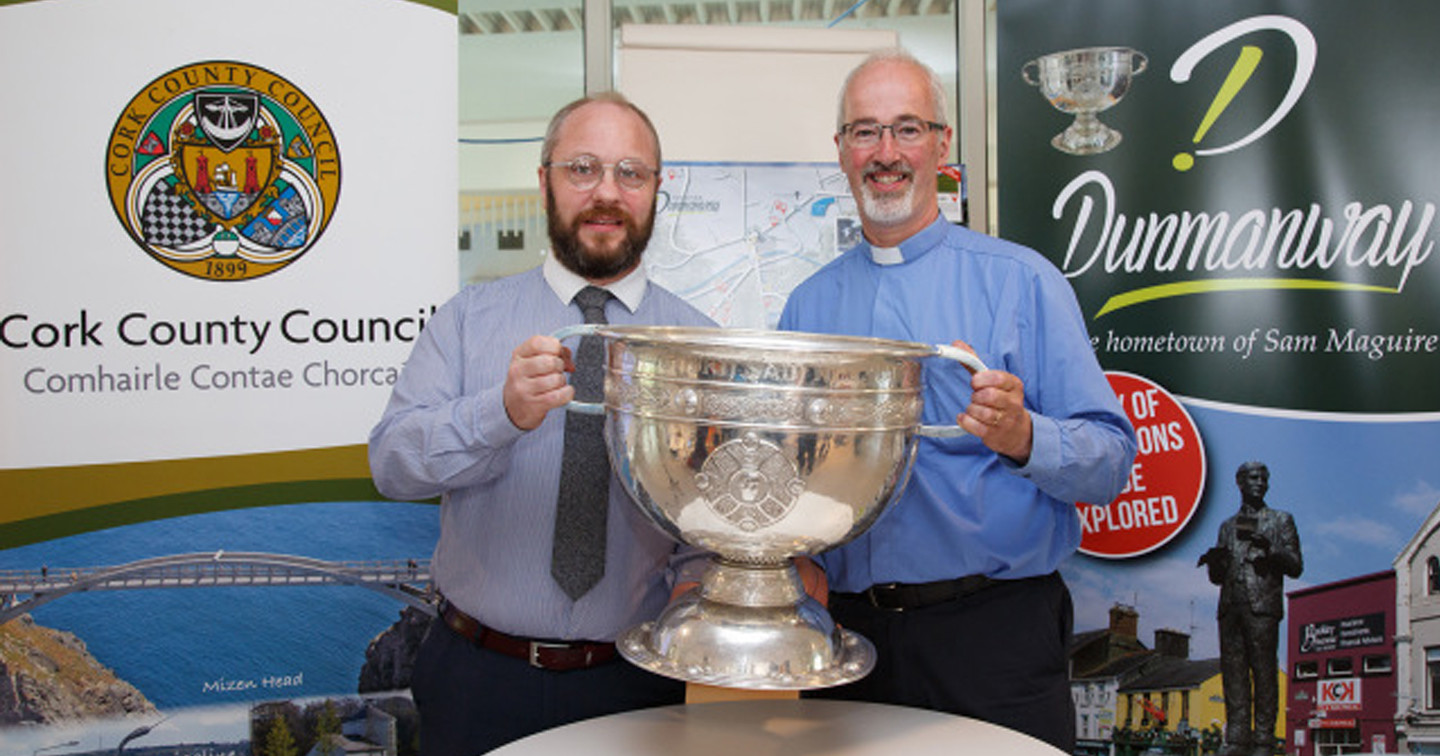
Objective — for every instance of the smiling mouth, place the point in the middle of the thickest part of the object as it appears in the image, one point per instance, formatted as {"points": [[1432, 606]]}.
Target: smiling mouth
{"points": [[887, 178], [603, 222]]}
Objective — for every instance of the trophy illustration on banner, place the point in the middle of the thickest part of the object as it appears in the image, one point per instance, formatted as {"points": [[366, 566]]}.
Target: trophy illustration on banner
{"points": [[1085, 82], [758, 447]]}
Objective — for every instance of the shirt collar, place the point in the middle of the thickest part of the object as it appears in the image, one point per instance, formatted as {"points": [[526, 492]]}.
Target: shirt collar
{"points": [[566, 284], [886, 255], [913, 248]]}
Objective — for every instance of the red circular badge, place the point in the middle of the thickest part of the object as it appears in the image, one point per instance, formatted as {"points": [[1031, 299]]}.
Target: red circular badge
{"points": [[1165, 482]]}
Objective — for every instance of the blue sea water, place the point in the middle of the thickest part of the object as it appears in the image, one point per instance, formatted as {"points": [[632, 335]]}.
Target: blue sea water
{"points": [[218, 645]]}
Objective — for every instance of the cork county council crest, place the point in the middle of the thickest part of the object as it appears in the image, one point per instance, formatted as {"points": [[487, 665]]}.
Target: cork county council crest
{"points": [[223, 171]]}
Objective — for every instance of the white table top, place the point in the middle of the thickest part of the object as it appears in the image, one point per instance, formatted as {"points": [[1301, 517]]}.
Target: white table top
{"points": [[779, 728]]}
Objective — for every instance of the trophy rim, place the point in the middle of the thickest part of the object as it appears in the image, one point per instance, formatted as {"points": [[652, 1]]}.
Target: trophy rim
{"points": [[754, 339], [1094, 49]]}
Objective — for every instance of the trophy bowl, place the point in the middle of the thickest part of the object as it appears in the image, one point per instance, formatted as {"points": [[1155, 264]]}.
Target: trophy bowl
{"points": [[758, 447], [1085, 82]]}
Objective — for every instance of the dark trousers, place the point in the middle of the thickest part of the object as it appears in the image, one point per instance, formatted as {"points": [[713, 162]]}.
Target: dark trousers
{"points": [[472, 700], [1249, 670], [1000, 655]]}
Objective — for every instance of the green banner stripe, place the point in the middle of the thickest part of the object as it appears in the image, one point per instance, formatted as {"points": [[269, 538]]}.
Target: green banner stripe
{"points": [[45, 491], [1183, 288], [119, 513], [449, 6]]}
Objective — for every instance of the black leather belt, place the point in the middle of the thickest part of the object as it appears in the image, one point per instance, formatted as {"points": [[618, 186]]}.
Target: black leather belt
{"points": [[559, 656], [899, 597]]}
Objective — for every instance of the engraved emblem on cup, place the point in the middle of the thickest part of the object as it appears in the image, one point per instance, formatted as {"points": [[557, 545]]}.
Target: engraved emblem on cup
{"points": [[758, 446], [1085, 82], [749, 483]]}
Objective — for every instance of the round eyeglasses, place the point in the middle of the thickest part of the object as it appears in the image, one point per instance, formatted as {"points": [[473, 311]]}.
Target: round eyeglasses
{"points": [[907, 131], [586, 171]]}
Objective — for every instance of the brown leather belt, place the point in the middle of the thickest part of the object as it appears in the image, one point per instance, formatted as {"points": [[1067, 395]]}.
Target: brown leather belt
{"points": [[559, 656], [899, 597]]}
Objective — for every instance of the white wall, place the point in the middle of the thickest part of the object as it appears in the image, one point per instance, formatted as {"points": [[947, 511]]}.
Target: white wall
{"points": [[510, 84], [743, 93]]}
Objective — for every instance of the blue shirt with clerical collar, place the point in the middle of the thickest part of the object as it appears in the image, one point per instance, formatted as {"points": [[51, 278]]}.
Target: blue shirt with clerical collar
{"points": [[967, 510]]}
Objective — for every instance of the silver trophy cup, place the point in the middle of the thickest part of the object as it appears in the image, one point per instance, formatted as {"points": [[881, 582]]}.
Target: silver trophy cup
{"points": [[1085, 82], [758, 447]]}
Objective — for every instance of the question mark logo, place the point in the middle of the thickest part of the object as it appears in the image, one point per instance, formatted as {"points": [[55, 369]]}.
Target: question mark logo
{"points": [[1305, 55]]}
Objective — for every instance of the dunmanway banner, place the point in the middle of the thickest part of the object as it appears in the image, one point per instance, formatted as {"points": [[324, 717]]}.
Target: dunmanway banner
{"points": [[1243, 195]]}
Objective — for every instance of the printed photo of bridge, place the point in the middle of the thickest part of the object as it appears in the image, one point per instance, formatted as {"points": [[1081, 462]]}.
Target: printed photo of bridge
{"points": [[184, 625]]}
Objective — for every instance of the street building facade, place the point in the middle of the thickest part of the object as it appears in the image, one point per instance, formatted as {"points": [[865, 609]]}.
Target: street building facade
{"points": [[1417, 640], [1341, 650]]}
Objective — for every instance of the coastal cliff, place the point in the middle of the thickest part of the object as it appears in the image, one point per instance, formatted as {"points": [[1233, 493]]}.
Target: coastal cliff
{"points": [[390, 659], [48, 676]]}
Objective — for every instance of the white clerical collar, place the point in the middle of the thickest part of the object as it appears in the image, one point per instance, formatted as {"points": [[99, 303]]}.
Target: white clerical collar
{"points": [[886, 255], [565, 283]]}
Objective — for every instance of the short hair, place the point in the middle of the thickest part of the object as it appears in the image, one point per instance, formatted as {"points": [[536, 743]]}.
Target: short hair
{"points": [[894, 55], [552, 132], [1248, 466]]}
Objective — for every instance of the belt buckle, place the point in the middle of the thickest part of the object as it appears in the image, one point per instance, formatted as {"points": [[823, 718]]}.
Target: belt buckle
{"points": [[875, 598], [537, 646]]}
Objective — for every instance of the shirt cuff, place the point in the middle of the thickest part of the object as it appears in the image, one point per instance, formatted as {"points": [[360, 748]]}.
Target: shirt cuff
{"points": [[491, 419], [1044, 450]]}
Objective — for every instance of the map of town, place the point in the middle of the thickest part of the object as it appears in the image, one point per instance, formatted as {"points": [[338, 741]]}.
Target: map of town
{"points": [[734, 238]]}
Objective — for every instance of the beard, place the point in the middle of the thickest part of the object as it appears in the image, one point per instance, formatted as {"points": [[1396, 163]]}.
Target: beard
{"points": [[889, 208], [586, 261]]}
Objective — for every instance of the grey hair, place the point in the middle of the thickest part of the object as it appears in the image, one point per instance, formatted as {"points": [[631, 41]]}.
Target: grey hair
{"points": [[552, 132], [896, 55]]}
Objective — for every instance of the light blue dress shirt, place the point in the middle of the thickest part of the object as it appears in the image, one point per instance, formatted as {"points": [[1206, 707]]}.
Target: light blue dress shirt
{"points": [[445, 433], [966, 509]]}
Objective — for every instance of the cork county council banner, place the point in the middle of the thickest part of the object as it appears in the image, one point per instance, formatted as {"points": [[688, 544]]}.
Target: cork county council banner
{"points": [[219, 241], [222, 228]]}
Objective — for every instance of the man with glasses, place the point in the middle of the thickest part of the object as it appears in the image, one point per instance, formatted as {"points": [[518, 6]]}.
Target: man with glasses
{"points": [[526, 635], [957, 585]]}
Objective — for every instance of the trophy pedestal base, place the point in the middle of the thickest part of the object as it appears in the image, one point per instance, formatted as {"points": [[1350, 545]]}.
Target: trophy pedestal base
{"points": [[749, 626], [1087, 136], [851, 658]]}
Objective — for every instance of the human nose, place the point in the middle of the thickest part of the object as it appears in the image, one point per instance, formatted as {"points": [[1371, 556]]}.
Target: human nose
{"points": [[608, 186], [887, 145]]}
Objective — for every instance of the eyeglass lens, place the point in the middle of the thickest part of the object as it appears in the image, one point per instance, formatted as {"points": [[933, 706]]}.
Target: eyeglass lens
{"points": [[586, 171], [905, 131]]}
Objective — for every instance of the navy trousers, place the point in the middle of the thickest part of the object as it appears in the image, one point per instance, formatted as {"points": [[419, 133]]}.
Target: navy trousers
{"points": [[472, 700], [1000, 655]]}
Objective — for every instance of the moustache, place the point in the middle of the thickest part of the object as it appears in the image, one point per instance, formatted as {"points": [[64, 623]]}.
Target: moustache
{"points": [[899, 166], [606, 213]]}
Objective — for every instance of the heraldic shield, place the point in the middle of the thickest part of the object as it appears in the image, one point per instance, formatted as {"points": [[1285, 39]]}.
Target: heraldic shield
{"points": [[227, 165]]}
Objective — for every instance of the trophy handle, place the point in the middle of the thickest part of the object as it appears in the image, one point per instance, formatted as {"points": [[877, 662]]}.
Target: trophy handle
{"points": [[1140, 62], [582, 330], [1030, 78], [971, 363]]}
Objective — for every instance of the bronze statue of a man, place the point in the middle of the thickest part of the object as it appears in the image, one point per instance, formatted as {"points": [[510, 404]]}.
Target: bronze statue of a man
{"points": [[1256, 549]]}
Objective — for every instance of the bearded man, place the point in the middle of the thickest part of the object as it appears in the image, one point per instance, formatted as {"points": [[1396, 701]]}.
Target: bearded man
{"points": [[526, 637]]}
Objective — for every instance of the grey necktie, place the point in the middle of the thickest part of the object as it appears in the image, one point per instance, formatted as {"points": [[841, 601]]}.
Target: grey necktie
{"points": [[578, 559]]}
